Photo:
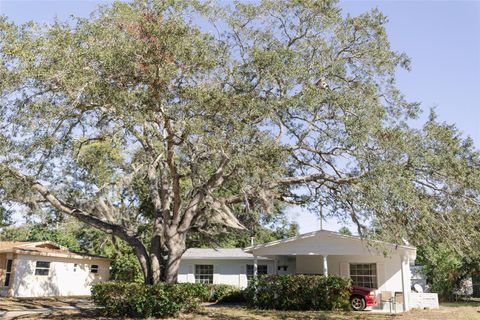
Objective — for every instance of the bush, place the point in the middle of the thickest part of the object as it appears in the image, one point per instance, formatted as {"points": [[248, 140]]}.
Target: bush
{"points": [[121, 299], [139, 300], [224, 293], [299, 292]]}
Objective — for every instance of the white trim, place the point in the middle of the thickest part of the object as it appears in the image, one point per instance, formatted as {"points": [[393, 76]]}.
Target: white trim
{"points": [[404, 266], [325, 266], [222, 258], [54, 254]]}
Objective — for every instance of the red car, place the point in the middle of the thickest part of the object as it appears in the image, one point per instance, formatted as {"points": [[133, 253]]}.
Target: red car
{"points": [[362, 297]]}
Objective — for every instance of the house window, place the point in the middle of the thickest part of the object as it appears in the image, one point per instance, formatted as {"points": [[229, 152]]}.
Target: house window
{"points": [[94, 268], [364, 275], [8, 273], [203, 273], [75, 267], [42, 268], [261, 269]]}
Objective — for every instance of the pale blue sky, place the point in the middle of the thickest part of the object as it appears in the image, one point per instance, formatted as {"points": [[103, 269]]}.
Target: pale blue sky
{"points": [[441, 37]]}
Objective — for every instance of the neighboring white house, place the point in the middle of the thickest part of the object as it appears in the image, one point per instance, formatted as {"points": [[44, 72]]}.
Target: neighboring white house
{"points": [[40, 269], [384, 267]]}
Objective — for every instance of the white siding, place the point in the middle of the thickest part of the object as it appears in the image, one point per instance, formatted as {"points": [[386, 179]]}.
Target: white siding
{"points": [[232, 272], [389, 275], [62, 280]]}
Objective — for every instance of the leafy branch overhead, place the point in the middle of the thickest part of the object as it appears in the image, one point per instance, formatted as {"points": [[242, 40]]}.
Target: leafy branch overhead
{"points": [[151, 120]]}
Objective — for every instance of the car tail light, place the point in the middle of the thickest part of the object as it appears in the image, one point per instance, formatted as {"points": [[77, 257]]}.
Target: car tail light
{"points": [[371, 298]]}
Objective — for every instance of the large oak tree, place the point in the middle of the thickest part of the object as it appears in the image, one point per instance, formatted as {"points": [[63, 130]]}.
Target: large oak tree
{"points": [[154, 119]]}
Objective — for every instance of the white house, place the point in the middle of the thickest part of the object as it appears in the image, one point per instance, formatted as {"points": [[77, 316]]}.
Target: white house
{"points": [[226, 266], [384, 267], [40, 269]]}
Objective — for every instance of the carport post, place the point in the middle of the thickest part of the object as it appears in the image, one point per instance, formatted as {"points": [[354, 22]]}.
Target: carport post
{"points": [[255, 266], [404, 260], [325, 266]]}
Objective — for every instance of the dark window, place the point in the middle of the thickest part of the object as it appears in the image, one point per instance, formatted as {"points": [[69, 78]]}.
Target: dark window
{"points": [[203, 273], [75, 267], [261, 269], [364, 275], [94, 268], [42, 268], [8, 273]]}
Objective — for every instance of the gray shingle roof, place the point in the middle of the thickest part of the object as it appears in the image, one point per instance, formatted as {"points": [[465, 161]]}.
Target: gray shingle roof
{"points": [[217, 253]]}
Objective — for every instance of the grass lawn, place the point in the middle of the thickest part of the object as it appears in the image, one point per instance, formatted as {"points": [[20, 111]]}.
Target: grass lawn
{"points": [[449, 311]]}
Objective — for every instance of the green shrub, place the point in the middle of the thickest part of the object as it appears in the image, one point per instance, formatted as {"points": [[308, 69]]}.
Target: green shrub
{"points": [[121, 299], [299, 292], [214, 292], [225, 293]]}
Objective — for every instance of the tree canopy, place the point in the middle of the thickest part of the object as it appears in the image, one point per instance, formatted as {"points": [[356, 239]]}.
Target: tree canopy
{"points": [[151, 120]]}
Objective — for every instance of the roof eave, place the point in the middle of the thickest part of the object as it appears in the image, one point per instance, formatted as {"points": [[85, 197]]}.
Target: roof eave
{"points": [[54, 254], [222, 258], [313, 233]]}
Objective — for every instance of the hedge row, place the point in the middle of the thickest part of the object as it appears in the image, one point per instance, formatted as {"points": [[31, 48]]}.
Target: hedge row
{"points": [[286, 292], [299, 292], [121, 299]]}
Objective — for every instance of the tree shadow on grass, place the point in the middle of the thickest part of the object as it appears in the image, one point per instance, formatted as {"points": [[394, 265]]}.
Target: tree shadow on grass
{"points": [[14, 304], [57, 315], [238, 311]]}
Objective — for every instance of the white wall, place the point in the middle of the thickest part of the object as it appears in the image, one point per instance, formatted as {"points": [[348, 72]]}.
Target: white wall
{"points": [[62, 280], [389, 274], [232, 272], [289, 262]]}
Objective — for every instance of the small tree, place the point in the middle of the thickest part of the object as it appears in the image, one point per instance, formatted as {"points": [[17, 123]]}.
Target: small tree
{"points": [[147, 125], [345, 231]]}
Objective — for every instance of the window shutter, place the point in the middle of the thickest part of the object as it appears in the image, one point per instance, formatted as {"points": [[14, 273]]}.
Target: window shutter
{"points": [[345, 269], [380, 274]]}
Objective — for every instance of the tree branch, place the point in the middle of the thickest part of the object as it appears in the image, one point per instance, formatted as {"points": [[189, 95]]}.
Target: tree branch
{"points": [[214, 181]]}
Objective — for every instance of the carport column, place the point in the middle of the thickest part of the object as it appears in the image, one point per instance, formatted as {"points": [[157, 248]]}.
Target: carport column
{"points": [[405, 265], [325, 266], [255, 266]]}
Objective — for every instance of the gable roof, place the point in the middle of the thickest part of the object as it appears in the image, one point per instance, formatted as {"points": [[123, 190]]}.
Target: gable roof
{"points": [[217, 253], [330, 243], [43, 248]]}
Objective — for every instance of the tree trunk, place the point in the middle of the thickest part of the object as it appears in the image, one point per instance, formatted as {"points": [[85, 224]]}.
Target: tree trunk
{"points": [[155, 258], [176, 247], [145, 262]]}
